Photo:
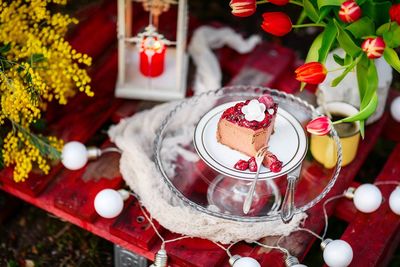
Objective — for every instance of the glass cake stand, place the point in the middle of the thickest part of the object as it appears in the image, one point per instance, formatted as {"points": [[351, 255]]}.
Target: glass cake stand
{"points": [[201, 174]]}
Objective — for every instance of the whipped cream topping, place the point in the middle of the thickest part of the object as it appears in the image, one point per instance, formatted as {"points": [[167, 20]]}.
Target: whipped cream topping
{"points": [[254, 111]]}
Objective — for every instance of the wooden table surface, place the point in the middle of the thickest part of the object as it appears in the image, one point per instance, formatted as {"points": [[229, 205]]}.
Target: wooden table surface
{"points": [[69, 194]]}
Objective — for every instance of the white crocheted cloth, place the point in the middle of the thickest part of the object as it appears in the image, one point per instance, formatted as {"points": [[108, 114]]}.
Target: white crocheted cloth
{"points": [[135, 137]]}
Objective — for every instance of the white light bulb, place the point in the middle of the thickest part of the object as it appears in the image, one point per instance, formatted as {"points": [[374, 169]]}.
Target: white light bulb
{"points": [[246, 262], [367, 198], [394, 201], [74, 155], [395, 109], [338, 253], [108, 203]]}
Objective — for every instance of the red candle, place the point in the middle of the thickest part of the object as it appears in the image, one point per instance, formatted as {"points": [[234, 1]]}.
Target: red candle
{"points": [[152, 57]]}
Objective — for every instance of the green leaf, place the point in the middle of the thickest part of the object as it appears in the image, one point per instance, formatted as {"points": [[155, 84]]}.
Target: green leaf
{"points": [[377, 11], [392, 58], [338, 79], [384, 28], [302, 85], [314, 48], [346, 42], [362, 27], [347, 59], [364, 113], [5, 48], [362, 70], [328, 38], [362, 128], [323, 3], [338, 60], [392, 37], [323, 13], [372, 85], [302, 17], [36, 58], [310, 10]]}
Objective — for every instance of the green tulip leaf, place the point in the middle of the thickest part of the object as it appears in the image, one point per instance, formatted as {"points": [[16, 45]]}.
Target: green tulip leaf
{"points": [[302, 17], [328, 38], [362, 70], [361, 2], [349, 68], [384, 28], [346, 42], [362, 128], [363, 113], [338, 60], [302, 85], [372, 84], [392, 58], [362, 27], [324, 11], [323, 3], [378, 11], [314, 48], [310, 10], [392, 37]]}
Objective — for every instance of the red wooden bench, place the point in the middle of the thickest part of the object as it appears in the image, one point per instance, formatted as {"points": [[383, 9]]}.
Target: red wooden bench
{"points": [[69, 194]]}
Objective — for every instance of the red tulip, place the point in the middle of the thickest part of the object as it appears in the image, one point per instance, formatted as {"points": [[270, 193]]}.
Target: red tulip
{"points": [[394, 13], [319, 126], [349, 11], [276, 23], [312, 73], [243, 8], [279, 2], [373, 47]]}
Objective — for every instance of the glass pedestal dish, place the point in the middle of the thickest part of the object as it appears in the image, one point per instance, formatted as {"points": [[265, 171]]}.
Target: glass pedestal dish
{"points": [[207, 183]]}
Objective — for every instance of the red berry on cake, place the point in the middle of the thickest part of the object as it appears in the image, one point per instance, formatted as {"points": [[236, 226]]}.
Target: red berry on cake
{"points": [[241, 165], [248, 125], [272, 162], [252, 164]]}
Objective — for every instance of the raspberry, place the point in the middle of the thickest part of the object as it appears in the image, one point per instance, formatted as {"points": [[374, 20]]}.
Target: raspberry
{"points": [[272, 162], [252, 164], [241, 165]]}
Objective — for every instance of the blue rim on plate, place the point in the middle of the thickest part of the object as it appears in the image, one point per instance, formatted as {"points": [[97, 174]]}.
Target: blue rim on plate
{"points": [[289, 143]]}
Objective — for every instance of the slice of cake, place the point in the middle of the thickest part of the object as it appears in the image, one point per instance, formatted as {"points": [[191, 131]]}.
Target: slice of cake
{"points": [[247, 126]]}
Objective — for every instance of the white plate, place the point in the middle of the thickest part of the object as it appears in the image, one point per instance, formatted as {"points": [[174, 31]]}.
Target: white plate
{"points": [[288, 143]]}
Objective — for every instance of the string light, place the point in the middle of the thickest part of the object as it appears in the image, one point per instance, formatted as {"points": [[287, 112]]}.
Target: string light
{"points": [[161, 257], [109, 203], [394, 199], [75, 155]]}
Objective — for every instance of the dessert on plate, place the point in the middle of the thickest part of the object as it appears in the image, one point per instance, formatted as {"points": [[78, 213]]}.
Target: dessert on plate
{"points": [[247, 126]]}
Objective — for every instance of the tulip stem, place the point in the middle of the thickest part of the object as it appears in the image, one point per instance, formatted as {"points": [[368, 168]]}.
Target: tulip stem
{"points": [[261, 2], [308, 25], [295, 3]]}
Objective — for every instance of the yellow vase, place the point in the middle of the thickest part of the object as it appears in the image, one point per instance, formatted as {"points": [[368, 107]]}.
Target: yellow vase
{"points": [[323, 148]]}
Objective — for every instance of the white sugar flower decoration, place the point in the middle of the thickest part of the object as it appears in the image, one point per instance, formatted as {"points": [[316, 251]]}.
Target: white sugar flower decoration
{"points": [[254, 111]]}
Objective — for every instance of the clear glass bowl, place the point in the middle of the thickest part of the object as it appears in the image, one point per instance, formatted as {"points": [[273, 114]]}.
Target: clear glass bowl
{"points": [[208, 191]]}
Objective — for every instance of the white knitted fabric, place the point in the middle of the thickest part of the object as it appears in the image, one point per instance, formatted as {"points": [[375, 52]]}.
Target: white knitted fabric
{"points": [[141, 174]]}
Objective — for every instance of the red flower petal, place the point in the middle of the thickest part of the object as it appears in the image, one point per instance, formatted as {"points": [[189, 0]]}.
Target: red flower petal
{"points": [[276, 23], [319, 126], [373, 47], [350, 11], [243, 8], [312, 73]]}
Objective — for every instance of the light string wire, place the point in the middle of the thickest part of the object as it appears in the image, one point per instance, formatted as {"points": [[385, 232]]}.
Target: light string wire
{"points": [[227, 249], [278, 247], [322, 237], [150, 220]]}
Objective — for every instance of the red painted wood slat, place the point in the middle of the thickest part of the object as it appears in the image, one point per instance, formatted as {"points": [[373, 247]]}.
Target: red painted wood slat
{"points": [[370, 235]]}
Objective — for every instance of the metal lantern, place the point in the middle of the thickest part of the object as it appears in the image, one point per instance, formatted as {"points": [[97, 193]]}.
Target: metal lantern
{"points": [[150, 66]]}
